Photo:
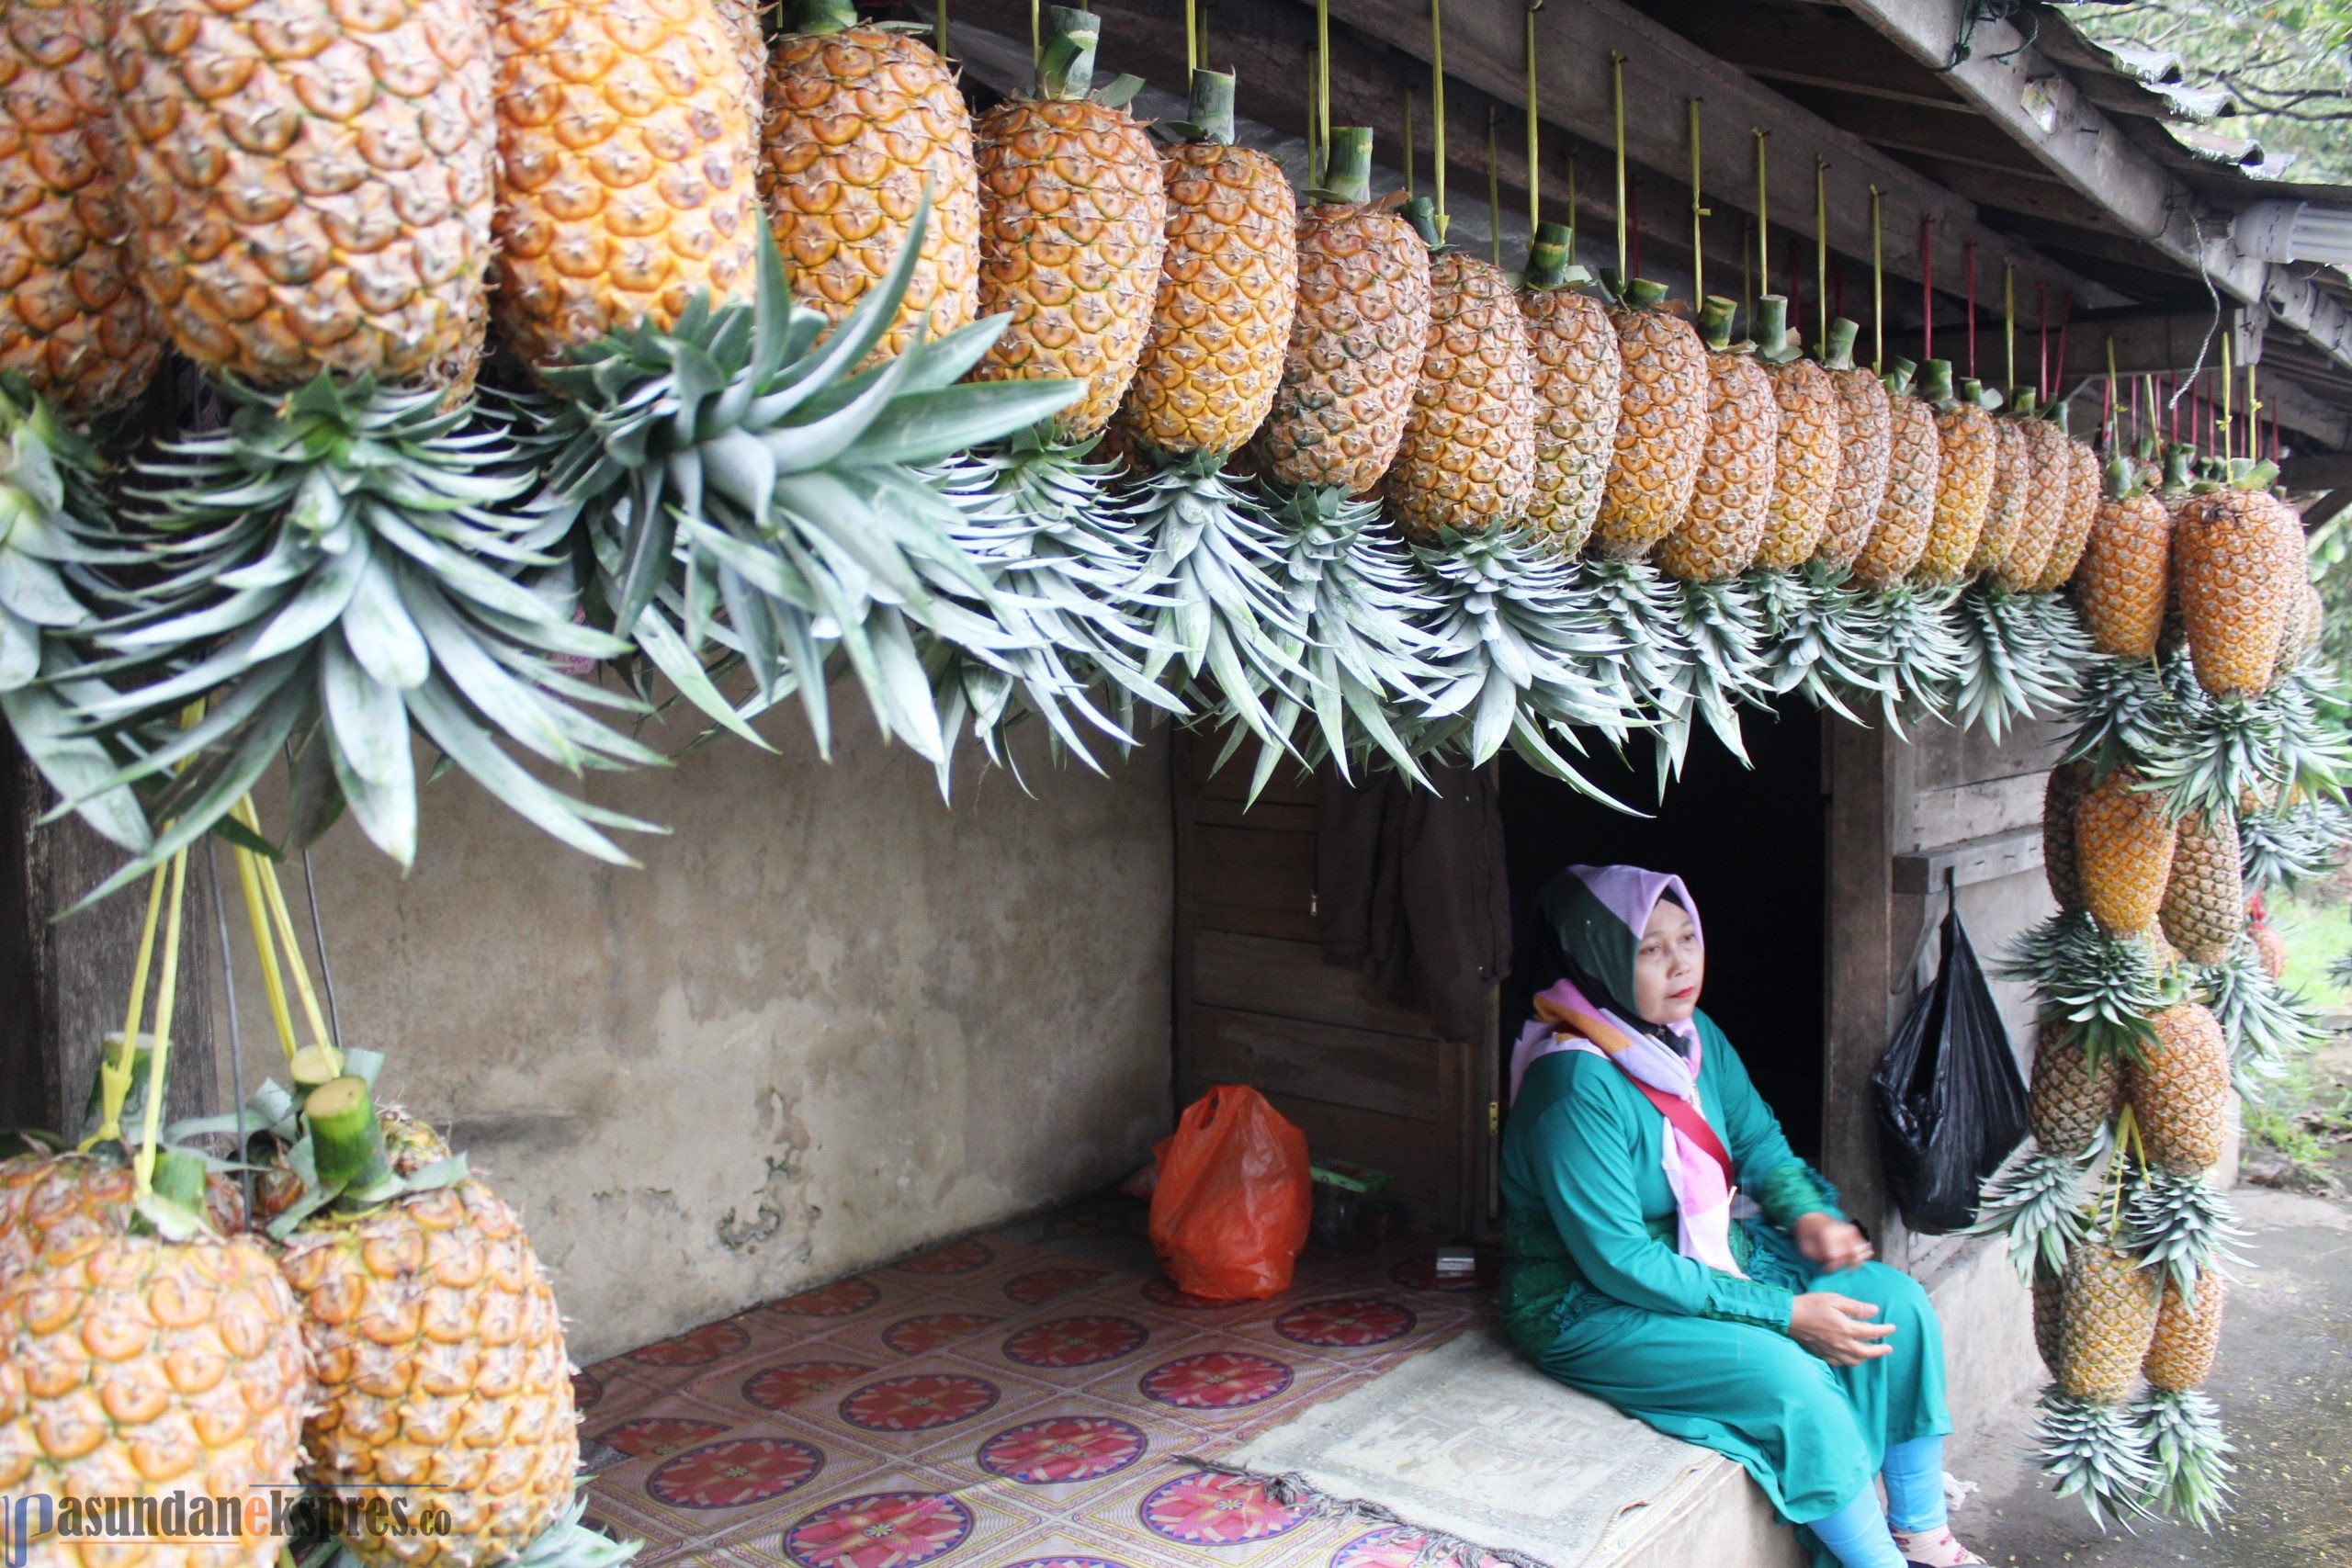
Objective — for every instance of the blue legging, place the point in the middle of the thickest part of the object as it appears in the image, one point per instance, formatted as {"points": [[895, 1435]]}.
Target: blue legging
{"points": [[1857, 1534]]}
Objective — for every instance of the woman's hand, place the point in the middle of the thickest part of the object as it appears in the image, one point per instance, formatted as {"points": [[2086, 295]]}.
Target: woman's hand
{"points": [[1832, 1242], [1838, 1328]]}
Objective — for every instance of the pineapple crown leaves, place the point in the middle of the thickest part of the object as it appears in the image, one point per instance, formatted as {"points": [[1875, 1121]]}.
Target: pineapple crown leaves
{"points": [[1723, 627], [1369, 655], [48, 479], [324, 569], [2181, 1433], [1927, 663], [1534, 650], [2102, 990], [1821, 639], [2037, 1203], [2176, 1223], [2093, 1451], [2015, 667], [2296, 844], [742, 462], [2264, 1023]]}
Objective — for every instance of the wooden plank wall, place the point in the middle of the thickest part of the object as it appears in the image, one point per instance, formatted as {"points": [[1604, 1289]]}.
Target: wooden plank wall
{"points": [[1366, 1079]]}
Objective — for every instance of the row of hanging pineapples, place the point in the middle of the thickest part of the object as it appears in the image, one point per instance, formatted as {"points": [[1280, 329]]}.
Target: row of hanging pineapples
{"points": [[2157, 989], [377, 1330]]}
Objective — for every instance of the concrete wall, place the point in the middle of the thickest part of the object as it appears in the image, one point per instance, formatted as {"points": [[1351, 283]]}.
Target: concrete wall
{"points": [[830, 1021]]}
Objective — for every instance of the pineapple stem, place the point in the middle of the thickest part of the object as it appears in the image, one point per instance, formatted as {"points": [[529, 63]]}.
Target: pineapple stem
{"points": [[1347, 165], [1548, 266], [1837, 353], [1212, 107], [346, 1138], [1935, 382], [312, 1066], [1715, 321], [115, 1067], [2122, 477], [1643, 294], [1422, 213], [179, 1177], [1774, 342], [818, 18], [167, 984], [1065, 65]]}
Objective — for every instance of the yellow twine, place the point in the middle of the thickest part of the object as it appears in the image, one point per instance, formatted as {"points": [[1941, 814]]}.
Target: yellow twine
{"points": [[1535, 138], [1821, 246], [1494, 192], [939, 29], [115, 1071], [1322, 115], [1878, 289], [1191, 43], [273, 980], [1763, 210], [2253, 415], [2114, 408], [2010, 317], [168, 984], [1617, 71], [1037, 39], [2228, 381], [1437, 111], [1698, 214], [1572, 204], [1408, 141]]}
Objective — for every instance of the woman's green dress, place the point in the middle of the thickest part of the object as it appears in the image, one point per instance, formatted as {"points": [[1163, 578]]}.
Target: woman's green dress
{"points": [[1594, 1293]]}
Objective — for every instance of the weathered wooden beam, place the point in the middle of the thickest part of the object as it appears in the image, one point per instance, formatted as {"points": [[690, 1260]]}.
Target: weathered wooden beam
{"points": [[2160, 341], [2331, 472], [2327, 508], [65, 984], [1484, 47], [2023, 90]]}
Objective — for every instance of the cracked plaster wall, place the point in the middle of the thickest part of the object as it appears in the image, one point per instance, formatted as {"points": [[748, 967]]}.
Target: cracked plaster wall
{"points": [[830, 1021]]}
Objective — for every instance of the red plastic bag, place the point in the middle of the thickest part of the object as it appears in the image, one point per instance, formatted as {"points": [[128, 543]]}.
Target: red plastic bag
{"points": [[1230, 1211]]}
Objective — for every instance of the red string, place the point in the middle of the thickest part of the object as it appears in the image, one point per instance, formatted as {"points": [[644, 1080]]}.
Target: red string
{"points": [[1970, 254], [1926, 289]]}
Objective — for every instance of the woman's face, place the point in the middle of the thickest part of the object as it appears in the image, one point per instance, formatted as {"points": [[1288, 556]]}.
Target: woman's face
{"points": [[1669, 967]]}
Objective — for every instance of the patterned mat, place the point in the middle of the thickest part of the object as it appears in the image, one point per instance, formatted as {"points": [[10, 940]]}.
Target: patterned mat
{"points": [[1017, 1399]]}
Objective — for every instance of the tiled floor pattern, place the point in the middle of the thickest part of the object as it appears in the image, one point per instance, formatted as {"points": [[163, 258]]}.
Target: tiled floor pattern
{"points": [[1023, 1397]]}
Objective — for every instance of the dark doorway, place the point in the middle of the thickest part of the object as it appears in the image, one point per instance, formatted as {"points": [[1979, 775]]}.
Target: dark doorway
{"points": [[1752, 847]]}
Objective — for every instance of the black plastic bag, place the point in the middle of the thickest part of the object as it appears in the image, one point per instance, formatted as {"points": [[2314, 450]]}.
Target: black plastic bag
{"points": [[1950, 1104]]}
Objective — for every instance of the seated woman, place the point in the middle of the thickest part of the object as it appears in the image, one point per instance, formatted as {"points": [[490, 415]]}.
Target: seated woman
{"points": [[1771, 1338]]}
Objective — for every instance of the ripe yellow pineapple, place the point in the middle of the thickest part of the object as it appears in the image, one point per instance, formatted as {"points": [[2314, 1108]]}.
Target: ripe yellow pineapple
{"points": [[1073, 225], [741, 20], [2123, 844], [2081, 494], [2188, 1338], [624, 190], [1900, 536], [1357, 338], [2060, 796], [409, 1145], [2005, 514], [2225, 562], [1227, 289], [2107, 1316], [2071, 1095], [2271, 947], [444, 1282], [2179, 1090], [2125, 576], [2204, 907], [309, 184], [1661, 424], [2049, 1311], [2291, 579], [1577, 371], [47, 1200], [857, 120], [134, 1367], [2047, 479], [1865, 438], [1731, 503], [71, 322], [1966, 455], [1467, 461], [1809, 460]]}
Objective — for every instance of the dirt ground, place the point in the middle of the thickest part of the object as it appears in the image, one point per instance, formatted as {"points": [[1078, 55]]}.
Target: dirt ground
{"points": [[2284, 1382]]}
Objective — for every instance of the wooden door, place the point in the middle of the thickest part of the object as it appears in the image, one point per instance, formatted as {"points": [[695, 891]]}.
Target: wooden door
{"points": [[1367, 1081]]}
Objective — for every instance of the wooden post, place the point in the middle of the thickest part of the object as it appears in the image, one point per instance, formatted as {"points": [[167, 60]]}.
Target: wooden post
{"points": [[64, 984], [1865, 770]]}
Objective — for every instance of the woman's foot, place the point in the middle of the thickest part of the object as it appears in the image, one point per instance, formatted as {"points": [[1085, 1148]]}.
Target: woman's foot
{"points": [[1934, 1549]]}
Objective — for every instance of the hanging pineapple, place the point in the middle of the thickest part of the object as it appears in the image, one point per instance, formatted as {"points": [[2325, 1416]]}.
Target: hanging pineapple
{"points": [[2124, 578], [2226, 557], [1899, 538], [2081, 510], [71, 322], [2046, 479], [859, 118], [1228, 287], [623, 193], [438, 1277], [2204, 908], [47, 1200], [1965, 459], [2107, 1320], [2290, 571], [2123, 846], [2179, 1090], [2180, 1428], [1731, 502], [2005, 512], [1577, 371], [2037, 1202], [1809, 460], [744, 30], [1661, 422], [311, 187], [1073, 225], [2061, 792], [1467, 461], [1357, 338], [1866, 440]]}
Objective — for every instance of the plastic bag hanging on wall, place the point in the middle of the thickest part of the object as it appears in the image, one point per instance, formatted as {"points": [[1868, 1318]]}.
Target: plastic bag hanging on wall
{"points": [[1950, 1103]]}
